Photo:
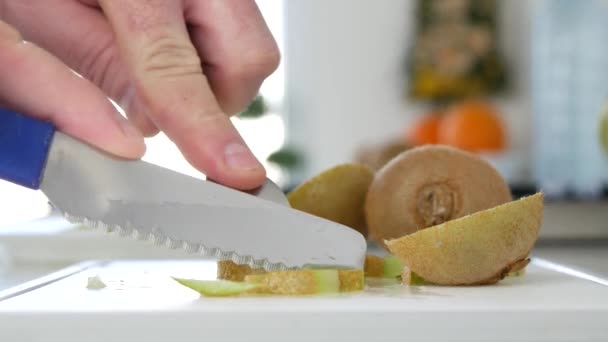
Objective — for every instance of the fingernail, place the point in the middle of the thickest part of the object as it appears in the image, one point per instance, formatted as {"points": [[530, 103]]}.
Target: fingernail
{"points": [[238, 156], [125, 101], [128, 129]]}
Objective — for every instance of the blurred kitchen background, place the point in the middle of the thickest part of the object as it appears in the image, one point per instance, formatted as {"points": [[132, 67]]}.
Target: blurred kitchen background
{"points": [[522, 83]]}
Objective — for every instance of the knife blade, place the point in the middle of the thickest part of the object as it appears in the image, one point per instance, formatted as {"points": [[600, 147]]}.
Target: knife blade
{"points": [[148, 202]]}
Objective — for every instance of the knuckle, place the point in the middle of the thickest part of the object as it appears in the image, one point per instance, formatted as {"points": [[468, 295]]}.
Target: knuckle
{"points": [[100, 63], [167, 57], [148, 130], [261, 61], [258, 63]]}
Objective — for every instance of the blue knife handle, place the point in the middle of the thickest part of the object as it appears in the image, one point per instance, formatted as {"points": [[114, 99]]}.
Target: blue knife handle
{"points": [[24, 146]]}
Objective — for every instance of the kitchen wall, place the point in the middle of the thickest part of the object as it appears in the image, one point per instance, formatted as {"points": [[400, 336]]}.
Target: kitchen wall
{"points": [[345, 78]]}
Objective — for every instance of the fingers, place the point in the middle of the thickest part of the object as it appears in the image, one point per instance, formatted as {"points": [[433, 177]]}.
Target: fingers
{"points": [[85, 43], [236, 47], [168, 82], [35, 83]]}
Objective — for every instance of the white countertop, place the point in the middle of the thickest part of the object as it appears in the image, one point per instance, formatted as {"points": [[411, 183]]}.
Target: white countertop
{"points": [[550, 302], [561, 282]]}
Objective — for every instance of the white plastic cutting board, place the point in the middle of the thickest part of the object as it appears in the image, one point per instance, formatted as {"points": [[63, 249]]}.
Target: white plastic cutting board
{"points": [[142, 303]]}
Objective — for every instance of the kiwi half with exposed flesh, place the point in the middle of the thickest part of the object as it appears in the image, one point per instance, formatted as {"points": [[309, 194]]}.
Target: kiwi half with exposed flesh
{"points": [[336, 194], [429, 185], [481, 248]]}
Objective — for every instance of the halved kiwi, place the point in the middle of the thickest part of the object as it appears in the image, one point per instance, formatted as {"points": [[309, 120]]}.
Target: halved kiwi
{"points": [[336, 194], [429, 185], [481, 248]]}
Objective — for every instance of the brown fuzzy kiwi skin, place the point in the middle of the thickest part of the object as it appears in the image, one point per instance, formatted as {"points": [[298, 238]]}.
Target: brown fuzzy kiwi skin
{"points": [[513, 267], [376, 156], [351, 280], [336, 194], [374, 266], [229, 270], [478, 249], [285, 283], [429, 185]]}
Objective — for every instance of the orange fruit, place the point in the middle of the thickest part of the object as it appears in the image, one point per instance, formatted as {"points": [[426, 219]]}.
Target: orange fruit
{"points": [[474, 126], [424, 131]]}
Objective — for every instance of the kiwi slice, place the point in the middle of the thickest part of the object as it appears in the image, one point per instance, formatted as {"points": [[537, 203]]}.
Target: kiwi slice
{"points": [[351, 280], [336, 194], [429, 185], [297, 282], [392, 266], [374, 266], [217, 288], [481, 248], [388, 267], [229, 270]]}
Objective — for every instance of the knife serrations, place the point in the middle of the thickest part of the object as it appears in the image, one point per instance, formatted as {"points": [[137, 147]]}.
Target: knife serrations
{"points": [[164, 241]]}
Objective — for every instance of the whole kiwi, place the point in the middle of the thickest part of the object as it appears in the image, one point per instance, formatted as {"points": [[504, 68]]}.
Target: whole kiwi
{"points": [[428, 185]]}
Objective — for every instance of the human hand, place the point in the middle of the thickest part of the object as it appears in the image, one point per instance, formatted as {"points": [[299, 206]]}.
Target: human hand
{"points": [[179, 66]]}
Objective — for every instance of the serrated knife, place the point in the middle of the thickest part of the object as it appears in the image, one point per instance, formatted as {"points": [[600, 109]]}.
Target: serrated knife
{"points": [[146, 201]]}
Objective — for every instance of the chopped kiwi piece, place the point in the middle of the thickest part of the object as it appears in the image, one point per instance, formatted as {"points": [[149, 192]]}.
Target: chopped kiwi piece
{"points": [[388, 267], [328, 281], [217, 288], [297, 282], [336, 194], [392, 266], [351, 280], [477, 249], [229, 270], [429, 185], [95, 283], [374, 266]]}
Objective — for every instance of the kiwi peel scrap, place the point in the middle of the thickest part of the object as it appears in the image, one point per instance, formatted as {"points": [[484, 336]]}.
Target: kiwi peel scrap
{"points": [[481, 248], [217, 288], [336, 194]]}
